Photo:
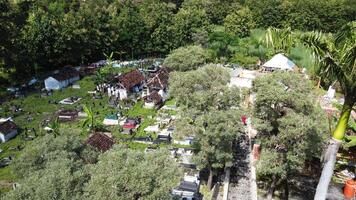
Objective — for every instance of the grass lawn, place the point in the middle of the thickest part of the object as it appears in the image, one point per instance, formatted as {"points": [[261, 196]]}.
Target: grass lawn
{"points": [[39, 109]]}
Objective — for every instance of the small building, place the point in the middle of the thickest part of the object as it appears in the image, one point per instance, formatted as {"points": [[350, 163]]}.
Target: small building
{"points": [[111, 120], [153, 100], [8, 130], [67, 115], [62, 79], [159, 82], [188, 188], [278, 62], [100, 141], [130, 82], [242, 78]]}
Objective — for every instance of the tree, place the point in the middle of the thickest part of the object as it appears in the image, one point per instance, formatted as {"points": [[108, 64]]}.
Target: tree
{"points": [[62, 179], [336, 55], [90, 120], [239, 23], [215, 133], [207, 112], [47, 149], [186, 58], [186, 22], [291, 128], [128, 174]]}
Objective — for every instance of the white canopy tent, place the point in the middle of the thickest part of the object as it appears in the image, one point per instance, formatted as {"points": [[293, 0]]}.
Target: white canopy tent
{"points": [[279, 62]]}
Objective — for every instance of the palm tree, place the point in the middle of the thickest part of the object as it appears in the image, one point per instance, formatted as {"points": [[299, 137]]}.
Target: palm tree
{"points": [[336, 55], [90, 120], [279, 40]]}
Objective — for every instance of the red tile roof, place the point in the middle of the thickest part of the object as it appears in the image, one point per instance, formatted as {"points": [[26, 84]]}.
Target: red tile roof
{"points": [[7, 127], [153, 97], [159, 80], [100, 141], [131, 79]]}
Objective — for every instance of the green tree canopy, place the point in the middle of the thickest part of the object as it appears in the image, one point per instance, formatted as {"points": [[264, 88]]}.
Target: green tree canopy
{"points": [[291, 128], [186, 58], [239, 22], [128, 174]]}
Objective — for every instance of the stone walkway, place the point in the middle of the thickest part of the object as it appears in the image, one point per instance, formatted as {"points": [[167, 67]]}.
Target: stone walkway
{"points": [[240, 172]]}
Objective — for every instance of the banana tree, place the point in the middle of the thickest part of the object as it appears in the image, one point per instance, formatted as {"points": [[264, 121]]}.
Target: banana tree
{"points": [[90, 120], [55, 126], [336, 55]]}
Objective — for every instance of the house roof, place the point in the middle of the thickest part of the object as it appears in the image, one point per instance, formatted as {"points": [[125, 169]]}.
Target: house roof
{"points": [[153, 97], [65, 73], [100, 141], [7, 127], [280, 61], [130, 79], [159, 80]]}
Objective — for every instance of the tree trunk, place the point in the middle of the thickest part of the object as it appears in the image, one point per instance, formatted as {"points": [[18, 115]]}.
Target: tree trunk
{"points": [[210, 179], [286, 189], [329, 157], [329, 160], [271, 188]]}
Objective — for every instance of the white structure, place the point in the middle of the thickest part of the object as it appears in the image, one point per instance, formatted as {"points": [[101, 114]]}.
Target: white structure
{"points": [[154, 128], [62, 79], [8, 130], [279, 62], [111, 120], [188, 188], [242, 78], [185, 141]]}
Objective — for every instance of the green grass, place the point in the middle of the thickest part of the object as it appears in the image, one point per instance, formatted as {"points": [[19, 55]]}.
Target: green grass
{"points": [[40, 109]]}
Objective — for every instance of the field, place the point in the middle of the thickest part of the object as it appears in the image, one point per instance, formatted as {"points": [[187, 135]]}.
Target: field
{"points": [[37, 109]]}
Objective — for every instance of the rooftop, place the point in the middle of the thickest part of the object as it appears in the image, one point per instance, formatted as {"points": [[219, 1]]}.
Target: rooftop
{"points": [[100, 141]]}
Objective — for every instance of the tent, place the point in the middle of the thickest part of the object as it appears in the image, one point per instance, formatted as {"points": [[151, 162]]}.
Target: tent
{"points": [[279, 62]]}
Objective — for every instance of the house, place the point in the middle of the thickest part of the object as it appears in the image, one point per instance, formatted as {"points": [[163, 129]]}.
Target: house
{"points": [[101, 141], [153, 100], [67, 115], [130, 82], [278, 62], [159, 82], [188, 188], [8, 130], [62, 79]]}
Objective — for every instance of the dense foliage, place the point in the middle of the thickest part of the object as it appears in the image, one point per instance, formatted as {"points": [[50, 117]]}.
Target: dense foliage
{"points": [[186, 58], [46, 34], [63, 167], [208, 113], [291, 128]]}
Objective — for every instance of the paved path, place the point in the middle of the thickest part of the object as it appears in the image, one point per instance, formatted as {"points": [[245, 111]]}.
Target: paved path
{"points": [[240, 179]]}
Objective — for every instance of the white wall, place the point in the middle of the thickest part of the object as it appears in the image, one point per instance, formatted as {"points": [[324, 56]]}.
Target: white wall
{"points": [[8, 136]]}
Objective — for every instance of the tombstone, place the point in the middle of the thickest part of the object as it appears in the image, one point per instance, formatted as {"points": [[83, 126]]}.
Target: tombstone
{"points": [[109, 92], [331, 93]]}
